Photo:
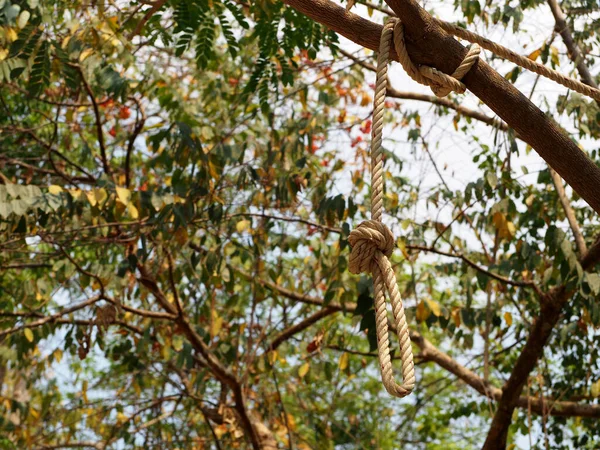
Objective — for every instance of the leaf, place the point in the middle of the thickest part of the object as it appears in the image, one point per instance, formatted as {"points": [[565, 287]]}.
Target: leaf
{"points": [[58, 354], [101, 196], [492, 179], [54, 189], [242, 225], [303, 370], [23, 18], [343, 363], [456, 316], [595, 389], [434, 307], [28, 334], [216, 324], [422, 312], [535, 54], [508, 318], [350, 4], [40, 71], [506, 229], [124, 195]]}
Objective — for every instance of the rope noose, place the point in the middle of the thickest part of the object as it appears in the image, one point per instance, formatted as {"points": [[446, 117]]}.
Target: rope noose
{"points": [[372, 242]]}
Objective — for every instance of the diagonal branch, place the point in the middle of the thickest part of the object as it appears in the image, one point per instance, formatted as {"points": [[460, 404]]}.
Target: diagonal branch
{"points": [[562, 196], [220, 371], [430, 353], [300, 326], [428, 44], [394, 93], [573, 49]]}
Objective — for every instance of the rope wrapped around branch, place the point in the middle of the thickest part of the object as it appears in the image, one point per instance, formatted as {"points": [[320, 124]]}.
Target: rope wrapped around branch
{"points": [[372, 242]]}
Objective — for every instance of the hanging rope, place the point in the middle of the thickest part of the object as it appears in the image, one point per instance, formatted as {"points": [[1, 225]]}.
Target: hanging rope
{"points": [[372, 242]]}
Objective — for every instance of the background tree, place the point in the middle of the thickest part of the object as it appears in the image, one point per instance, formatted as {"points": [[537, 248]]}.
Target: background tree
{"points": [[179, 179]]}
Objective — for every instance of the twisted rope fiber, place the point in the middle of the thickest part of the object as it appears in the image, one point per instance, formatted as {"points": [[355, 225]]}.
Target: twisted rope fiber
{"points": [[373, 243], [441, 84], [519, 60]]}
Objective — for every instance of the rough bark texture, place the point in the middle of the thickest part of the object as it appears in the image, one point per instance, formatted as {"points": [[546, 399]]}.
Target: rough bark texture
{"points": [[428, 44]]}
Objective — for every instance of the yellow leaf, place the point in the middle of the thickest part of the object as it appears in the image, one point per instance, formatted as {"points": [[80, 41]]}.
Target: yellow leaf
{"points": [[596, 389], [303, 370], [242, 225], [343, 361], [124, 195], [58, 354], [101, 196], [133, 211], [54, 189], [456, 316], [28, 334], [34, 413], [3, 53], [272, 356], [506, 229], [75, 193], [84, 54], [535, 54], [422, 312], [434, 307], [365, 100], [508, 318], [10, 34], [216, 325], [220, 430]]}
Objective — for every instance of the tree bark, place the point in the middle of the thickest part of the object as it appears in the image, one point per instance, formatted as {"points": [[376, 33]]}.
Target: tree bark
{"points": [[574, 52], [428, 44]]}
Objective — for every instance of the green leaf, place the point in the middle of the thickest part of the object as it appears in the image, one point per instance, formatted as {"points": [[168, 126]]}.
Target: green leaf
{"points": [[40, 72]]}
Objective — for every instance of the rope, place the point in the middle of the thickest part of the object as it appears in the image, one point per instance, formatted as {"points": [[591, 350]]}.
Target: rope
{"points": [[441, 84], [519, 60], [373, 243]]}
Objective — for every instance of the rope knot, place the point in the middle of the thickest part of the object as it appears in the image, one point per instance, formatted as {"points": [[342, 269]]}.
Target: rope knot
{"points": [[440, 83], [367, 240]]}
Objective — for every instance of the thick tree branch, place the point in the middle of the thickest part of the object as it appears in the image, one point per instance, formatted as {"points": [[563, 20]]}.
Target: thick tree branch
{"points": [[428, 44]]}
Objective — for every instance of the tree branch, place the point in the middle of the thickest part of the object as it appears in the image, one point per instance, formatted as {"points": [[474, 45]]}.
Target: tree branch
{"points": [[431, 353], [562, 196], [393, 93], [299, 327], [428, 44], [573, 49], [139, 27], [220, 371]]}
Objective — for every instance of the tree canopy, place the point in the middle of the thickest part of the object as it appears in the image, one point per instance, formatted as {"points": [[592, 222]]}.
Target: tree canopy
{"points": [[178, 180]]}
